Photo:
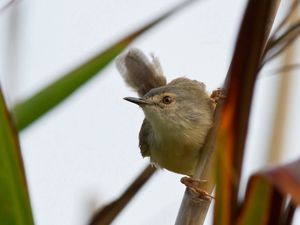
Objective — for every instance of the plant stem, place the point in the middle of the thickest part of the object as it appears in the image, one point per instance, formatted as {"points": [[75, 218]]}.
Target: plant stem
{"points": [[243, 70], [109, 212]]}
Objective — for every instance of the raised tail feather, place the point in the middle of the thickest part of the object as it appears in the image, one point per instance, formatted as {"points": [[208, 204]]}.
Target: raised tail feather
{"points": [[139, 72]]}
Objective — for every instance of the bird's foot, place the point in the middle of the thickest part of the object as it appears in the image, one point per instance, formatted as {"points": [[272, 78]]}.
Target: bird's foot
{"points": [[194, 186], [217, 95]]}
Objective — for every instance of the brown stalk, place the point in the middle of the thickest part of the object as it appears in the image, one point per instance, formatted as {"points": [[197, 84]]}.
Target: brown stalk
{"points": [[243, 71], [193, 209], [239, 86], [109, 212]]}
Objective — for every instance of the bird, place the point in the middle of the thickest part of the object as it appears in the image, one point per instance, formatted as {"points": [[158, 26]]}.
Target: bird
{"points": [[178, 114]]}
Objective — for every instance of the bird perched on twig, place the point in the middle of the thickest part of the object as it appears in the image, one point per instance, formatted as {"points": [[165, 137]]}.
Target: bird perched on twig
{"points": [[178, 114]]}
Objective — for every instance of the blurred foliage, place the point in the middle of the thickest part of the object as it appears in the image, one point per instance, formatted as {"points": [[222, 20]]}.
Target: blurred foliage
{"points": [[268, 192], [266, 199], [39, 104], [240, 82], [14, 199], [272, 195]]}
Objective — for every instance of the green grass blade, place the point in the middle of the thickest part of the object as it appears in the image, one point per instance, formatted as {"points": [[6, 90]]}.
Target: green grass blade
{"points": [[267, 192], [286, 178], [40, 103], [262, 205], [14, 199]]}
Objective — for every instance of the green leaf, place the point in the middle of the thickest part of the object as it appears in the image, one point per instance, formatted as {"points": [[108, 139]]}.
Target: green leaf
{"points": [[262, 205], [266, 194], [40, 103], [14, 199], [286, 179], [257, 202]]}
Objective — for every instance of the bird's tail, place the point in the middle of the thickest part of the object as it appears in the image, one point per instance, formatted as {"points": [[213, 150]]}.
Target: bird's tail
{"points": [[139, 72]]}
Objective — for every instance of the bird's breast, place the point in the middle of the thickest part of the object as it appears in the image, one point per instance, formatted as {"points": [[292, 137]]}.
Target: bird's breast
{"points": [[176, 143], [173, 152]]}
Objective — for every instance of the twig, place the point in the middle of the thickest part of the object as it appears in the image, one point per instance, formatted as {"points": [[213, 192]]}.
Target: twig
{"points": [[193, 209], [292, 9], [275, 41], [108, 213], [282, 42]]}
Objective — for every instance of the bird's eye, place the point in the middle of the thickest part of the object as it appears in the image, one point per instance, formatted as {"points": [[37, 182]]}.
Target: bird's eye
{"points": [[167, 100]]}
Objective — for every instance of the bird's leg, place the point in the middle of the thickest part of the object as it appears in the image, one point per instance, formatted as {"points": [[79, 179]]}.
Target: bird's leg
{"points": [[194, 186], [217, 95]]}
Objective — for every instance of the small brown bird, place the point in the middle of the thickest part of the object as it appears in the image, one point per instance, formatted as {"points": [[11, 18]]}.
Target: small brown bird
{"points": [[178, 115]]}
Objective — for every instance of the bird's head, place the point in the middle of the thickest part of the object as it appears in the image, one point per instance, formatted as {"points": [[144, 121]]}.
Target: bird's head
{"points": [[182, 103]]}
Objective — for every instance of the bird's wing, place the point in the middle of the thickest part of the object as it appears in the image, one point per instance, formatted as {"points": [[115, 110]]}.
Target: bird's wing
{"points": [[146, 138], [139, 72]]}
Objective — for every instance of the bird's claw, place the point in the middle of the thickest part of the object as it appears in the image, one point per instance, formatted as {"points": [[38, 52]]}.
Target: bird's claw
{"points": [[217, 95], [193, 185]]}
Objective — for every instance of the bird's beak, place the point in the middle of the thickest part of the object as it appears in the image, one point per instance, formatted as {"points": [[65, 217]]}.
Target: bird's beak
{"points": [[138, 101]]}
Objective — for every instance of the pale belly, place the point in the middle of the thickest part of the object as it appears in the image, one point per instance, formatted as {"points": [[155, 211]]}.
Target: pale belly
{"points": [[176, 156]]}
